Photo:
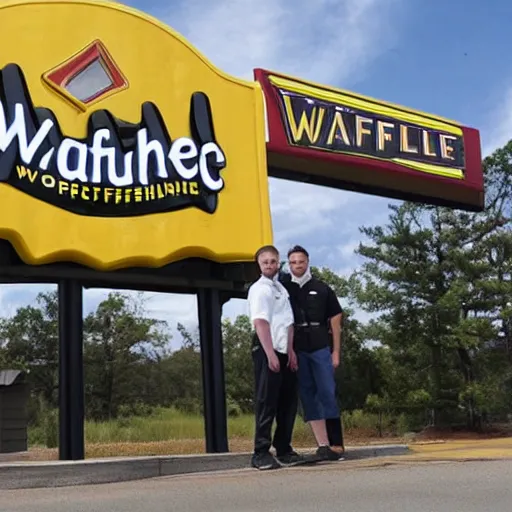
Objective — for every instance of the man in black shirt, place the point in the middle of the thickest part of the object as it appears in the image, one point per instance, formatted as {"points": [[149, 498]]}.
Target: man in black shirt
{"points": [[317, 317]]}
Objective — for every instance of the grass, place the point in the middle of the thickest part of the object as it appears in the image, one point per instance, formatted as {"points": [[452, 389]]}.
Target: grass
{"points": [[162, 425], [170, 431]]}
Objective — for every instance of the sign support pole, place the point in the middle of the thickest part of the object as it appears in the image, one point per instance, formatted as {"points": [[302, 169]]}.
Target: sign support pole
{"points": [[71, 371], [212, 359]]}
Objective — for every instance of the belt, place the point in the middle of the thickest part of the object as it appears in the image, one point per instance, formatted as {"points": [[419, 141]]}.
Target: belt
{"points": [[309, 324]]}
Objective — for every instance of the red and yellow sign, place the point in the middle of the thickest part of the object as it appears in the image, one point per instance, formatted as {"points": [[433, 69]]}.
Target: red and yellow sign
{"points": [[121, 145], [341, 139]]}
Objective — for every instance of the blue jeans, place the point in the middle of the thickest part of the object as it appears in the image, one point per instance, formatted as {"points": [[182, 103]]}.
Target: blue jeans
{"points": [[317, 387]]}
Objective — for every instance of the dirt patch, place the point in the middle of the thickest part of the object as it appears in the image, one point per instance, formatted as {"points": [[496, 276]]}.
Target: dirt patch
{"points": [[238, 444], [462, 433], [171, 447]]}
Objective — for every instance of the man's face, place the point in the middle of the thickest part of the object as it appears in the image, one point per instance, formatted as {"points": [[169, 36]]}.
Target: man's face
{"points": [[298, 263], [269, 263]]}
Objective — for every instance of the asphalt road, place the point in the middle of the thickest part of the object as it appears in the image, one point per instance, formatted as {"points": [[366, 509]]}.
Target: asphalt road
{"points": [[475, 486]]}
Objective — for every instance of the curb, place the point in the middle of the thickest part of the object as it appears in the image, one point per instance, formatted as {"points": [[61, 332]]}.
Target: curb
{"points": [[26, 475]]}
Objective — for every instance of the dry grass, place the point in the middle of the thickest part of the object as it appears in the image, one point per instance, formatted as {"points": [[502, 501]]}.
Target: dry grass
{"points": [[171, 432], [174, 447]]}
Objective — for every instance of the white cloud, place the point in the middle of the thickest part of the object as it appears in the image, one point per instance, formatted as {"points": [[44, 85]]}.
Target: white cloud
{"points": [[347, 249], [300, 209], [328, 41], [14, 296], [500, 125], [172, 308], [234, 308]]}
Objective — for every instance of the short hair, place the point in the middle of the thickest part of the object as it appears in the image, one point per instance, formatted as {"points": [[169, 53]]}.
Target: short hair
{"points": [[298, 248], [266, 248]]}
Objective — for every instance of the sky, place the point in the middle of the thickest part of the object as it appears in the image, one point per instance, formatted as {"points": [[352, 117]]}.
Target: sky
{"points": [[445, 57]]}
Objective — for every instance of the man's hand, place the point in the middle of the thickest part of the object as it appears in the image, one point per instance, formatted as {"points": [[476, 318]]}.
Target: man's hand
{"points": [[273, 362], [292, 361], [335, 359], [263, 331]]}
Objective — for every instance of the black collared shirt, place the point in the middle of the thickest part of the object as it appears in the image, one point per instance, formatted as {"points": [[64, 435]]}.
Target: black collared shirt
{"points": [[313, 305]]}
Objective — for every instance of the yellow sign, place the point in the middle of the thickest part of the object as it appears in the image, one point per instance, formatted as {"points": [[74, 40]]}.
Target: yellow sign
{"points": [[337, 121], [120, 145]]}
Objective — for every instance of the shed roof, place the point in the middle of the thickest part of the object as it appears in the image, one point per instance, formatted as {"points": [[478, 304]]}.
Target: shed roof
{"points": [[8, 377]]}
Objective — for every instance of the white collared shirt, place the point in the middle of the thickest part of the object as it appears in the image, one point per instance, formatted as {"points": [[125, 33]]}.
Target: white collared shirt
{"points": [[269, 300]]}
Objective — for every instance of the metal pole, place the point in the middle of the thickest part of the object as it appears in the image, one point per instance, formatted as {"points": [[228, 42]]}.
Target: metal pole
{"points": [[71, 371], [212, 359]]}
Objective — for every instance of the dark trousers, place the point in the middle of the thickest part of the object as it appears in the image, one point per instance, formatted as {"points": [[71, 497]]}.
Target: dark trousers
{"points": [[334, 426], [276, 398], [334, 431], [317, 387]]}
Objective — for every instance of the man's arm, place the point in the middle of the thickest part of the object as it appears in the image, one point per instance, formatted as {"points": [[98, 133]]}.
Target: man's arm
{"points": [[260, 305], [262, 328], [334, 313], [336, 339], [292, 356], [290, 337]]}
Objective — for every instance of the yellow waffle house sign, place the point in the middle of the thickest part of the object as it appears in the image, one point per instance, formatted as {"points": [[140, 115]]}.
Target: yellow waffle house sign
{"points": [[121, 145]]}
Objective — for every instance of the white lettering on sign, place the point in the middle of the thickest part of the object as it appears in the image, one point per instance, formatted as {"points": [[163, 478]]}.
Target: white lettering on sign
{"points": [[73, 157]]}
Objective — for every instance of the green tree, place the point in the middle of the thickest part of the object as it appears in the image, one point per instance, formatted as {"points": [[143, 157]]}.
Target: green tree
{"points": [[181, 374], [359, 374], [121, 347], [237, 343], [429, 274], [29, 341]]}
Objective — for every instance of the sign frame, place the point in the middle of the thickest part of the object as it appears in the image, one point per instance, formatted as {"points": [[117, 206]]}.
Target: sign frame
{"points": [[366, 173]]}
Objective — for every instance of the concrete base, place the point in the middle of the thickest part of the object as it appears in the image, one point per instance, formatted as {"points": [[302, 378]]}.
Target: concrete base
{"points": [[25, 474]]}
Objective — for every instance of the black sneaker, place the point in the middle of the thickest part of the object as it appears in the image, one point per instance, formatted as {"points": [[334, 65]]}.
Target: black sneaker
{"points": [[264, 461], [325, 453], [291, 459]]}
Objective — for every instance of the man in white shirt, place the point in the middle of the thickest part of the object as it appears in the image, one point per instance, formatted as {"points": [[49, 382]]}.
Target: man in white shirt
{"points": [[275, 365]]}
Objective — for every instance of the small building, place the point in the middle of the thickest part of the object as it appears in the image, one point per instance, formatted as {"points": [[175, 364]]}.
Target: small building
{"points": [[13, 411]]}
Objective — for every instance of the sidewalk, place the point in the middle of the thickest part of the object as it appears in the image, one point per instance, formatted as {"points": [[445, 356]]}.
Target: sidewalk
{"points": [[500, 448], [30, 474]]}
